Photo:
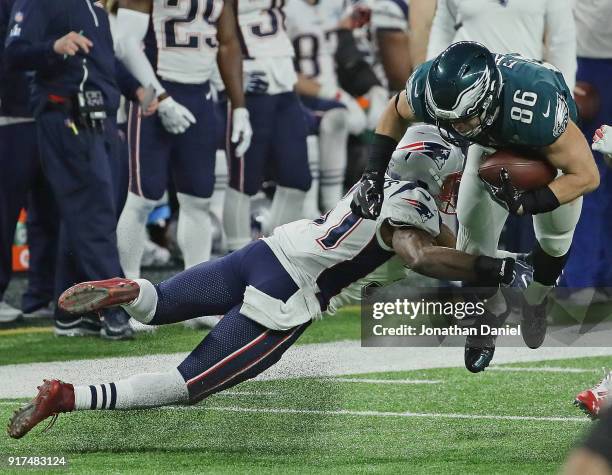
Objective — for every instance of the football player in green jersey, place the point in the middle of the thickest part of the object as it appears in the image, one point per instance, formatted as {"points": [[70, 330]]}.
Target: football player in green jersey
{"points": [[494, 101]]}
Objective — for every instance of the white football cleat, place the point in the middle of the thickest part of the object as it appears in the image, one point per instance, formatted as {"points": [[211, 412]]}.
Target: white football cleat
{"points": [[8, 313], [141, 327]]}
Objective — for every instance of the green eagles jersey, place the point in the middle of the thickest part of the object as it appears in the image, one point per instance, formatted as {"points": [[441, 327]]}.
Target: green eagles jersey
{"points": [[535, 103]]}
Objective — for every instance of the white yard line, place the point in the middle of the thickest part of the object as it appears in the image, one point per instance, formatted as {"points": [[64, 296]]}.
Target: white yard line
{"points": [[381, 381], [543, 369], [345, 412], [321, 360]]}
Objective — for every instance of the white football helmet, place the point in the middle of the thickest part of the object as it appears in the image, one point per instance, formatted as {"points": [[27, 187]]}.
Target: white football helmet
{"points": [[424, 157]]}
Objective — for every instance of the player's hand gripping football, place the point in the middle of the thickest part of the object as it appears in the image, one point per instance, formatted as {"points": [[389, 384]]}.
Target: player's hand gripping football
{"points": [[367, 200], [241, 130], [602, 142], [175, 118], [506, 193]]}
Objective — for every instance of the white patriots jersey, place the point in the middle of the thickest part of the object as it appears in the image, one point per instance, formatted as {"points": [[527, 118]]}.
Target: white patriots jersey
{"points": [[339, 248], [186, 35], [386, 15], [312, 29], [262, 27]]}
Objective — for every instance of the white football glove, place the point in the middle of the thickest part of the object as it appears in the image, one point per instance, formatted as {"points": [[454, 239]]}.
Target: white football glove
{"points": [[241, 130], [175, 118], [602, 140]]}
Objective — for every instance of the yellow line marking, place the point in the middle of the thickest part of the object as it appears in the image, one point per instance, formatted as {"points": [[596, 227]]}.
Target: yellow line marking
{"points": [[25, 330]]}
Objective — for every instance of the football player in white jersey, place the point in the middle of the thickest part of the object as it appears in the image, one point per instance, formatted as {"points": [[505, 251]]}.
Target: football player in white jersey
{"points": [[272, 289], [278, 150], [183, 40], [331, 112]]}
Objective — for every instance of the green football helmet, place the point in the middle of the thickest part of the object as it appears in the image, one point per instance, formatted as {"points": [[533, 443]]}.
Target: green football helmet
{"points": [[463, 90]]}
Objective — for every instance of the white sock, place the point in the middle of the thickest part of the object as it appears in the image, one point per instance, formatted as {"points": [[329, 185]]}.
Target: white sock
{"points": [[143, 308], [237, 219], [311, 202], [131, 233], [333, 139], [287, 206], [136, 392], [194, 232], [217, 199]]}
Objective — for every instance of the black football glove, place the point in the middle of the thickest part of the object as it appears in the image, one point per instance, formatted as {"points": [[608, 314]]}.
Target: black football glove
{"points": [[506, 193], [368, 198]]}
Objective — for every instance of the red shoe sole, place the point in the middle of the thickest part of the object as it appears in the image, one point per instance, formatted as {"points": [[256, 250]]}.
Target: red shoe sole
{"points": [[90, 296]]}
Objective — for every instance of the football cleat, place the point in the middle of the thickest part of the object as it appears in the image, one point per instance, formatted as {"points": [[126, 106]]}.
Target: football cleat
{"points": [[116, 325], [593, 401], [87, 325], [90, 296], [53, 398], [478, 353], [534, 324]]}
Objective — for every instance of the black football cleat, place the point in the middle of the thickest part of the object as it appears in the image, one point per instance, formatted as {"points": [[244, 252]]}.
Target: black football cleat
{"points": [[478, 353], [534, 324], [116, 325]]}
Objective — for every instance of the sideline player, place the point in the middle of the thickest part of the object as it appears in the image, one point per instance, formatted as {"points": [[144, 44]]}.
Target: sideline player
{"points": [[278, 150], [183, 41], [496, 101], [333, 114], [271, 289]]}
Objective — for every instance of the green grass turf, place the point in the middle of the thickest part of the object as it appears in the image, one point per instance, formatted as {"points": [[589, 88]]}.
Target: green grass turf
{"points": [[208, 439], [37, 346]]}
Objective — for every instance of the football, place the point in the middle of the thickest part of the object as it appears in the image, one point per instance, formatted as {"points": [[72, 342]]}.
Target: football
{"points": [[527, 171], [587, 100]]}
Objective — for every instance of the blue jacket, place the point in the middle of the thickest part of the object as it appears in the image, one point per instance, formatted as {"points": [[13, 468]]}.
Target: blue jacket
{"points": [[34, 27], [14, 85]]}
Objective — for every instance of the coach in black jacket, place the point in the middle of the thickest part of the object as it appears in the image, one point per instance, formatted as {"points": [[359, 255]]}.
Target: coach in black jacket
{"points": [[68, 44]]}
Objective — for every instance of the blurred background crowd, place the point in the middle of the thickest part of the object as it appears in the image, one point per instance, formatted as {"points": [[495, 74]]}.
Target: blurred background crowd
{"points": [[170, 183]]}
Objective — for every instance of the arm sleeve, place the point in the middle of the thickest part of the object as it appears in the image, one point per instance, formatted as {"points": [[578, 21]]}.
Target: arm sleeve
{"points": [[442, 29], [560, 39], [131, 29], [127, 83], [27, 47]]}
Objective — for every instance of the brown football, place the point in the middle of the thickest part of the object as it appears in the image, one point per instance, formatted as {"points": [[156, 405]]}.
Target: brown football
{"points": [[587, 99], [527, 171]]}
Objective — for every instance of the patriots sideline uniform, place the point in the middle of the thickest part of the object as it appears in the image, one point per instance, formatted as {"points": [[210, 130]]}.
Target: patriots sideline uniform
{"points": [[183, 55], [278, 149]]}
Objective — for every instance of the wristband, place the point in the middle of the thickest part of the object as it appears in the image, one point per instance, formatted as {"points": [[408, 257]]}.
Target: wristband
{"points": [[492, 272], [538, 201], [381, 150]]}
